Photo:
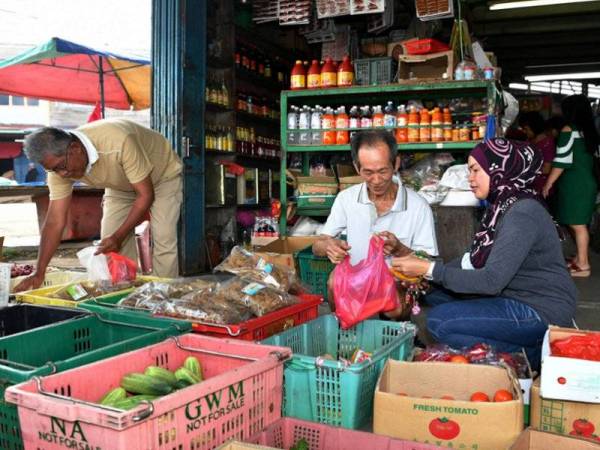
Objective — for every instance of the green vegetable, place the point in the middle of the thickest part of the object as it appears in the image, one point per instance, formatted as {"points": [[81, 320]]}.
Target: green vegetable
{"points": [[161, 374], [184, 374], [113, 396], [133, 401], [302, 444], [193, 365], [138, 383]]}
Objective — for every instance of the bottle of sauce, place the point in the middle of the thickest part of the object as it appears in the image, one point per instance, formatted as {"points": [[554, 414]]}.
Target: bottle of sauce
{"points": [[328, 125], [447, 119], [456, 132], [298, 79], [342, 136], [437, 130], [413, 125], [464, 132], [345, 72], [313, 79], [389, 117], [378, 117], [315, 126], [402, 124], [328, 74], [366, 120], [354, 120]]}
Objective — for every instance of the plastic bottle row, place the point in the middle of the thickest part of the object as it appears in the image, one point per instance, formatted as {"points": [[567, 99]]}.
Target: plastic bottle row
{"points": [[329, 126]]}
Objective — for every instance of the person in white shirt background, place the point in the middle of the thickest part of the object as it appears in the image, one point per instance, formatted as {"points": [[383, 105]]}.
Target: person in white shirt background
{"points": [[380, 205]]}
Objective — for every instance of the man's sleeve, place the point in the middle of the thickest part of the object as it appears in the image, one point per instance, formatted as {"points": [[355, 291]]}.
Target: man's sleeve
{"points": [[135, 162], [564, 150], [59, 187], [424, 231], [337, 221]]}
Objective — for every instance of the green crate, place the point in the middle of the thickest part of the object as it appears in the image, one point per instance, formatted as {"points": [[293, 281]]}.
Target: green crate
{"points": [[326, 391], [69, 344], [374, 71], [314, 271], [315, 201]]}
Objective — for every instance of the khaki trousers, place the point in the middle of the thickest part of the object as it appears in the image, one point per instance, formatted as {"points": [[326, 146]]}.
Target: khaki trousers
{"points": [[164, 214]]}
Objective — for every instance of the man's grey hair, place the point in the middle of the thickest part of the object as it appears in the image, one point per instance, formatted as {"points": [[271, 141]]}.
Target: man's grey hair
{"points": [[371, 138], [47, 140]]}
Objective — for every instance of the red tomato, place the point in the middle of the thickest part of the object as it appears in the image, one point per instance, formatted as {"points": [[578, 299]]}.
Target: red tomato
{"points": [[479, 397], [444, 428], [459, 359], [502, 395], [584, 427]]}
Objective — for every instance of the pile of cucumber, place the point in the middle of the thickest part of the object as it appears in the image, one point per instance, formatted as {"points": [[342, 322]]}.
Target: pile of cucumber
{"points": [[153, 383]]}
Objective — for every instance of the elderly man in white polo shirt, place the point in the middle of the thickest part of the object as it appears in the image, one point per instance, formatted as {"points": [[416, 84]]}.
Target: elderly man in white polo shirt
{"points": [[380, 205]]}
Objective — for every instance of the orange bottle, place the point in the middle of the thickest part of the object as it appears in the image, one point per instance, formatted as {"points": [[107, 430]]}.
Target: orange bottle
{"points": [[298, 78], [328, 125], [447, 119], [437, 128], [313, 79], [345, 72], [378, 117], [328, 74], [402, 124], [425, 126], [413, 125], [342, 123]]}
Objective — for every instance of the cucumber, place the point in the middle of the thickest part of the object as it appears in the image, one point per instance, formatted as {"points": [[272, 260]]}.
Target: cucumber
{"points": [[192, 364], [161, 374], [184, 374], [138, 383], [113, 396], [133, 401]]}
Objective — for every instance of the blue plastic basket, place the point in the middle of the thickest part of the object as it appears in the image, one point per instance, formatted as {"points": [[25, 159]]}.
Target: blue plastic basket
{"points": [[326, 391]]}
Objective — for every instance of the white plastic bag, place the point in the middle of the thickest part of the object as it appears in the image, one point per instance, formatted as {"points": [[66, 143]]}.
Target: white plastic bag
{"points": [[96, 266]]}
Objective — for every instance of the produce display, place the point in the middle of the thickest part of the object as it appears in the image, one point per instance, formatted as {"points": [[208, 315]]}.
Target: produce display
{"points": [[84, 290], [21, 270], [477, 354], [155, 382]]}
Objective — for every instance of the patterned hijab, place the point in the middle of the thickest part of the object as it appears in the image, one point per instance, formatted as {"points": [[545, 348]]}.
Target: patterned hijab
{"points": [[513, 167]]}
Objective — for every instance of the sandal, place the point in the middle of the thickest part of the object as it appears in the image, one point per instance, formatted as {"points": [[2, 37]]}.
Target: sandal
{"points": [[577, 271]]}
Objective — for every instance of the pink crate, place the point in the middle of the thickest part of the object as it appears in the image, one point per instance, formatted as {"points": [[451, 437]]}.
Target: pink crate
{"points": [[287, 431], [241, 396]]}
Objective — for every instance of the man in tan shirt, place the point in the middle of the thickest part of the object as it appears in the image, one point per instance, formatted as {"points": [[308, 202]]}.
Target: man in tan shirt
{"points": [[139, 171]]}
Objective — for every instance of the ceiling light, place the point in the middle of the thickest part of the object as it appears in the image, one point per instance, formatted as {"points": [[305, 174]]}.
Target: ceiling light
{"points": [[563, 76], [532, 3]]}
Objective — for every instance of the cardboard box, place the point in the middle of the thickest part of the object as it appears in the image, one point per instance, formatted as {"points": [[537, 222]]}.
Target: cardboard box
{"points": [[450, 423], [538, 440], [317, 185], [281, 251], [568, 378], [435, 66], [346, 182], [563, 417]]}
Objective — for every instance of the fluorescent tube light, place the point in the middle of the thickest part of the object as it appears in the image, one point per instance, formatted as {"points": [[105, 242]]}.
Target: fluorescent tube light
{"points": [[532, 3], [563, 76]]}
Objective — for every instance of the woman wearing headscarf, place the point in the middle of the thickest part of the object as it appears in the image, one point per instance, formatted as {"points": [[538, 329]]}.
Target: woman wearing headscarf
{"points": [[573, 173], [513, 282]]}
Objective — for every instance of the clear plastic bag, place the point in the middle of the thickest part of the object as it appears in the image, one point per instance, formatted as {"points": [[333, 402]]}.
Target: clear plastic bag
{"points": [[152, 294], [364, 289], [259, 298]]}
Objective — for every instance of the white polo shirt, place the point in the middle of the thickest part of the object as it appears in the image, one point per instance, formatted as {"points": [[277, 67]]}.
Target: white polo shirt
{"points": [[410, 219]]}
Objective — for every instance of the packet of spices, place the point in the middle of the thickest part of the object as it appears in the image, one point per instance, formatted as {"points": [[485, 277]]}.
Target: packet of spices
{"points": [[76, 292]]}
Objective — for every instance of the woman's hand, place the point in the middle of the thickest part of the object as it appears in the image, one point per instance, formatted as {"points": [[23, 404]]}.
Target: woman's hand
{"points": [[411, 265], [546, 190]]}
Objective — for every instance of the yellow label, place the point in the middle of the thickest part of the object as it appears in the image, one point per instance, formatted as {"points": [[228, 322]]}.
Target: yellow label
{"points": [[314, 80], [298, 81], [345, 78], [328, 79]]}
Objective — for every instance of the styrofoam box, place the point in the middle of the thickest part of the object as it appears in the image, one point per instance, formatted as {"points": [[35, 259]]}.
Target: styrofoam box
{"points": [[568, 378]]}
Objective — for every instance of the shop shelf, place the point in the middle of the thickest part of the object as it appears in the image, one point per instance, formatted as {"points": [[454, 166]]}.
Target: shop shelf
{"points": [[66, 345], [408, 147], [240, 396], [328, 391], [250, 330]]}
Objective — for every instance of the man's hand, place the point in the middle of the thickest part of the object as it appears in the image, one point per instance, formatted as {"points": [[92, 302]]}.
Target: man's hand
{"points": [[393, 246], [337, 250], [33, 281], [109, 244], [546, 190]]}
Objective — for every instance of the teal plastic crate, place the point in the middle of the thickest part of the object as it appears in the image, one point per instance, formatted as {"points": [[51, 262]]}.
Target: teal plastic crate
{"points": [[326, 391], [69, 344], [314, 271]]}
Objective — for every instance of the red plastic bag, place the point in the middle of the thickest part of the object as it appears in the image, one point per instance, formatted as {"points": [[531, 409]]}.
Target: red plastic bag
{"points": [[585, 346], [121, 267], [364, 289]]}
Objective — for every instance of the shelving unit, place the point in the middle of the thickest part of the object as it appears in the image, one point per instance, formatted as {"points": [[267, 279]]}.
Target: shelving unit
{"points": [[379, 95]]}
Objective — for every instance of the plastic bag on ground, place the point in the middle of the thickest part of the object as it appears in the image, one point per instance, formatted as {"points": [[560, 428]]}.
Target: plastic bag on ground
{"points": [[364, 289]]}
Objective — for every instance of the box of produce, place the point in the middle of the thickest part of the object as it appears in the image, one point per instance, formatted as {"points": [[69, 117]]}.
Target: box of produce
{"points": [[295, 434], [538, 440], [187, 392], [450, 405], [68, 344], [571, 364], [576, 419], [331, 377]]}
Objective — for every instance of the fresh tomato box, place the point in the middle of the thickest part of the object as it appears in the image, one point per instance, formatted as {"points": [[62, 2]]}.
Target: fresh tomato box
{"points": [[538, 440], [430, 402], [575, 419], [567, 378]]}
